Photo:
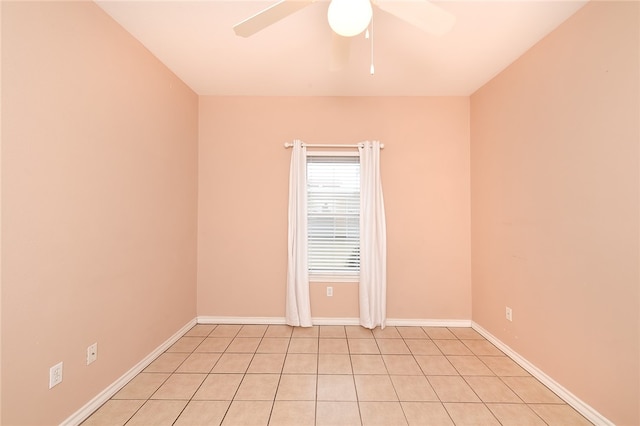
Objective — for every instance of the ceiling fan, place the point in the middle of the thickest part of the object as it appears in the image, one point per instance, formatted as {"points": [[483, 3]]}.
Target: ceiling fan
{"points": [[348, 18]]}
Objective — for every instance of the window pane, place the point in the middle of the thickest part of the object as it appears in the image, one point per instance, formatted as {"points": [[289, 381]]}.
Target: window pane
{"points": [[333, 215]]}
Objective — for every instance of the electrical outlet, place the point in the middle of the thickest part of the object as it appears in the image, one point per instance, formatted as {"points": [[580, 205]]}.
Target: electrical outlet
{"points": [[329, 291], [92, 353], [509, 314], [55, 375]]}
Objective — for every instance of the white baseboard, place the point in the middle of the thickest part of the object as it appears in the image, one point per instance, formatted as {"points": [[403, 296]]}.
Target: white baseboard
{"points": [[428, 322], [580, 406], [88, 409], [274, 320], [336, 321], [240, 320]]}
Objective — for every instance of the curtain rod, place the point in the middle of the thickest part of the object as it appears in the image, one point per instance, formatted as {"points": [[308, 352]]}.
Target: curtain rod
{"points": [[320, 145]]}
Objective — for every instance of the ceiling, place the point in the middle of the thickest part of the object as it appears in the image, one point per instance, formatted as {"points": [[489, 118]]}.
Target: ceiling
{"points": [[196, 41]]}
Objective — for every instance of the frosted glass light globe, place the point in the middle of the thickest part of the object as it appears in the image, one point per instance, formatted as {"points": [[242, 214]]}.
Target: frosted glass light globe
{"points": [[349, 17]]}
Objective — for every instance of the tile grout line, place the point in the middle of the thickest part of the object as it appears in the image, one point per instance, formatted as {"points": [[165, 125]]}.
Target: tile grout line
{"points": [[315, 416], [465, 380], [255, 352], [205, 378], [353, 375], [226, 412], [406, 419]]}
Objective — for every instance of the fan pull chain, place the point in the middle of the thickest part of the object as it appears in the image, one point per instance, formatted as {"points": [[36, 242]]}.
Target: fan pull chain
{"points": [[371, 39]]}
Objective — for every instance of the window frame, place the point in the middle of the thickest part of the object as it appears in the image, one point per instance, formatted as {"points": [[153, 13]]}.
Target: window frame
{"points": [[328, 277]]}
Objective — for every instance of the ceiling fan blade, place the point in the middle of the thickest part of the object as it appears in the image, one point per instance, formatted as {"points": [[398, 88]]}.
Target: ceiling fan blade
{"points": [[268, 16], [420, 13], [340, 51]]}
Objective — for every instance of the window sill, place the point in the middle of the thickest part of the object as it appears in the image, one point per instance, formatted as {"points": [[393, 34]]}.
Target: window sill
{"points": [[334, 278]]}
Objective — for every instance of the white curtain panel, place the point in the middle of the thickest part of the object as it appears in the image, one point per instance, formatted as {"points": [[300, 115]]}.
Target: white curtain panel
{"points": [[298, 304], [373, 239]]}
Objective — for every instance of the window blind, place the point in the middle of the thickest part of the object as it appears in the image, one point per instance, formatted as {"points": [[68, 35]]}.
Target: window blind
{"points": [[333, 209]]}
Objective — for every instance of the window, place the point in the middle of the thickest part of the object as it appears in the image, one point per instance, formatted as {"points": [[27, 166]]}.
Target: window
{"points": [[333, 209]]}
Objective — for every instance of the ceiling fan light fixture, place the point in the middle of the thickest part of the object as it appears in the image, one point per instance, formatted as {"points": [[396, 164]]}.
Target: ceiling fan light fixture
{"points": [[349, 17]]}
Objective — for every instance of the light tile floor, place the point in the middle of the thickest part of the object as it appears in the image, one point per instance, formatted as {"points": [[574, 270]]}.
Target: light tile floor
{"points": [[246, 375]]}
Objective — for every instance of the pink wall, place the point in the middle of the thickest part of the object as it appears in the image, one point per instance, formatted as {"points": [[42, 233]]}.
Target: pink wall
{"points": [[99, 169], [1, 215], [555, 207], [243, 184], [101, 176]]}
